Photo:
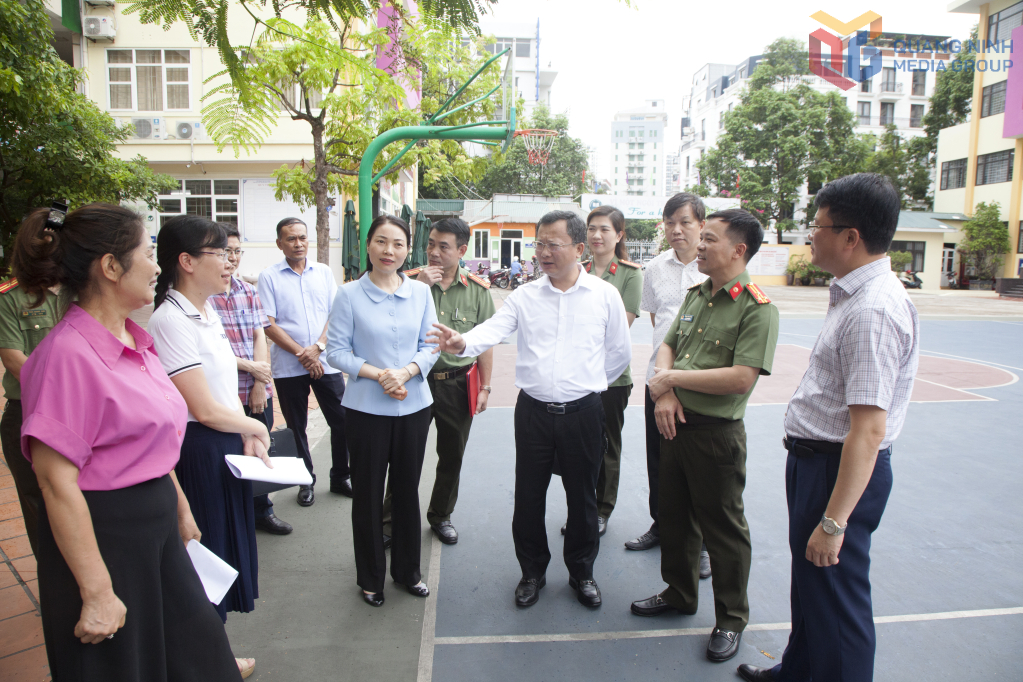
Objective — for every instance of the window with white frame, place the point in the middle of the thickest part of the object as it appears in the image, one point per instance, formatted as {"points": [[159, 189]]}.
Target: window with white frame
{"points": [[149, 80], [213, 199], [481, 244]]}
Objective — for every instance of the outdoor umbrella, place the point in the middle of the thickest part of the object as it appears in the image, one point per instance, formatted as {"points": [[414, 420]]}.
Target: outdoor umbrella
{"points": [[350, 243], [406, 215], [419, 241]]}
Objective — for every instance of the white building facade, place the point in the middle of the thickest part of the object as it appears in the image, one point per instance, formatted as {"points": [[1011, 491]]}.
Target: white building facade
{"points": [[534, 75], [637, 151]]}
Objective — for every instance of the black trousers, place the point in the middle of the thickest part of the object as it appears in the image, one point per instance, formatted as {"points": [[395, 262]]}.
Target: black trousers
{"points": [[293, 397], [25, 482], [832, 613], [261, 503], [615, 399], [377, 443], [575, 441], [653, 454]]}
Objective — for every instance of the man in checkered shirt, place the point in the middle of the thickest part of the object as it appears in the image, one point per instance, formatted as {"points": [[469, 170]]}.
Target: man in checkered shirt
{"points": [[244, 320], [840, 425]]}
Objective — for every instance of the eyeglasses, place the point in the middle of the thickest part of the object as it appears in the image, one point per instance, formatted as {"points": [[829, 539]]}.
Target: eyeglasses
{"points": [[234, 252], [814, 227], [553, 248], [222, 255]]}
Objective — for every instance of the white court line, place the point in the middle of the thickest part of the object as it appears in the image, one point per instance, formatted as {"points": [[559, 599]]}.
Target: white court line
{"points": [[980, 362], [430, 614], [680, 632], [961, 390]]}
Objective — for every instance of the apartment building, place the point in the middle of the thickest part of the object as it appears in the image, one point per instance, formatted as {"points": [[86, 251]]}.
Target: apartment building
{"points": [[534, 76], [982, 160], [637, 151]]}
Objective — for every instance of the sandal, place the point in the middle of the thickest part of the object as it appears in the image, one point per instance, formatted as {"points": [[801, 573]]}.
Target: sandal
{"points": [[246, 666]]}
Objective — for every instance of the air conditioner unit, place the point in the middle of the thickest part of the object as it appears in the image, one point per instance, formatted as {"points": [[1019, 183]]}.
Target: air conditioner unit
{"points": [[148, 128], [189, 130], [99, 27]]}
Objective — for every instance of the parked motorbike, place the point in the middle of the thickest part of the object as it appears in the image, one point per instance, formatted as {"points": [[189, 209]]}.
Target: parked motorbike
{"points": [[518, 280], [482, 269], [910, 280], [500, 278]]}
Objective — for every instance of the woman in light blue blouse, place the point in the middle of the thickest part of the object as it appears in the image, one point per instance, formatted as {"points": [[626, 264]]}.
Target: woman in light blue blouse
{"points": [[377, 335]]}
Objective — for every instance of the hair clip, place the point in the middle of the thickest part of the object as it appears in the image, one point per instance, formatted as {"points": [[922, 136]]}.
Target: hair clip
{"points": [[55, 221]]}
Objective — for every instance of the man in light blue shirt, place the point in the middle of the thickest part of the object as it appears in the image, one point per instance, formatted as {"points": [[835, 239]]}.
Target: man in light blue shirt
{"points": [[516, 267], [296, 295]]}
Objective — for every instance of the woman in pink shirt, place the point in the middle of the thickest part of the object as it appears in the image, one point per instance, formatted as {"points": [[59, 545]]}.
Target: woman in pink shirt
{"points": [[103, 427]]}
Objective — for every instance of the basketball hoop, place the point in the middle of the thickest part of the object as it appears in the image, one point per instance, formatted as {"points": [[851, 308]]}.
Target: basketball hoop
{"points": [[538, 143]]}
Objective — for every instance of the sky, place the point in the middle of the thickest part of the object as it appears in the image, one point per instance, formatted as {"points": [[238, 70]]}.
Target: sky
{"points": [[611, 57]]}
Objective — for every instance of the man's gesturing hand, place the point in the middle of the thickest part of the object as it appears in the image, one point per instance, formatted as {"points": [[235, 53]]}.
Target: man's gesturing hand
{"points": [[447, 339]]}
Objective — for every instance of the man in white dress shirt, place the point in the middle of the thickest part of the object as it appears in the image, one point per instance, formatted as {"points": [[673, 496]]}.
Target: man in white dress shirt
{"points": [[573, 339], [667, 279]]}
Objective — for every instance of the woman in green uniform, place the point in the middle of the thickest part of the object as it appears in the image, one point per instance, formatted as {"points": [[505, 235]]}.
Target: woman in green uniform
{"points": [[605, 236], [26, 317]]}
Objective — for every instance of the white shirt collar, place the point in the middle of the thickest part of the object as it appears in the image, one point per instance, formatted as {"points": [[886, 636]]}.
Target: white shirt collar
{"points": [[178, 299], [584, 280]]}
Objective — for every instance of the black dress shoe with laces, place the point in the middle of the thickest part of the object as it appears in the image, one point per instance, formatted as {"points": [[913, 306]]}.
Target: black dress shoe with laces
{"points": [[527, 592], [704, 564], [586, 591], [374, 599], [752, 673], [723, 645], [654, 606], [272, 524], [446, 532], [647, 540], [342, 487], [305, 495]]}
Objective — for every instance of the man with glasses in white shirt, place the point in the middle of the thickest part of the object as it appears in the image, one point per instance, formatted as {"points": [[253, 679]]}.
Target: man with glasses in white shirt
{"points": [[573, 339]]}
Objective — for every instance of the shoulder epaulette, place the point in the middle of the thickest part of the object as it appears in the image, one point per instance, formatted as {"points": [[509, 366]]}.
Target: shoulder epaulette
{"points": [[479, 280], [759, 295], [8, 285], [413, 272], [630, 264], [696, 286]]}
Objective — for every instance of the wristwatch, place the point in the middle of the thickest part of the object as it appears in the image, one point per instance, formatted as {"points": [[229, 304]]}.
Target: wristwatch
{"points": [[486, 388], [322, 346], [831, 526]]}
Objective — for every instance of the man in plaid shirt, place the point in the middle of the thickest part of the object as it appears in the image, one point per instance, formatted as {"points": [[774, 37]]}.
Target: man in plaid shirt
{"points": [[243, 318]]}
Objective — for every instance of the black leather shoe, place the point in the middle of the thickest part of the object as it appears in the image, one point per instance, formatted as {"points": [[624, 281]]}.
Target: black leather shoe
{"points": [[586, 591], [305, 495], [564, 528], [342, 487], [527, 592], [420, 590], [723, 645], [654, 606], [751, 673], [601, 526], [446, 532], [375, 599], [387, 541], [647, 540], [704, 565], [272, 524]]}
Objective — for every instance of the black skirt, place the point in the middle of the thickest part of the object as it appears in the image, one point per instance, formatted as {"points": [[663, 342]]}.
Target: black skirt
{"points": [[222, 507], [171, 631]]}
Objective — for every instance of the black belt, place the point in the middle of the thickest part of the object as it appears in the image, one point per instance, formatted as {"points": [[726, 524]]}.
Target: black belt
{"points": [[565, 408], [802, 447], [694, 419], [451, 373]]}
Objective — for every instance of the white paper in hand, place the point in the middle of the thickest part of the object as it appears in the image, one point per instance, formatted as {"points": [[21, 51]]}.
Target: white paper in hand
{"points": [[287, 470], [216, 575]]}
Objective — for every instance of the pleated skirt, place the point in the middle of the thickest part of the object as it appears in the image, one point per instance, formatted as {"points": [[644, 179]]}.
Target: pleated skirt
{"points": [[171, 631], [222, 507]]}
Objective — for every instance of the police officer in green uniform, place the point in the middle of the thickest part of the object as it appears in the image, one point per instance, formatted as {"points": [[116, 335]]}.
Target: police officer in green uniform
{"points": [[26, 318], [605, 236], [463, 301], [722, 340]]}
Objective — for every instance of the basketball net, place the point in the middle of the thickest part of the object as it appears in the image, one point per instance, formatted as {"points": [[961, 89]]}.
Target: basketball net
{"points": [[539, 144]]}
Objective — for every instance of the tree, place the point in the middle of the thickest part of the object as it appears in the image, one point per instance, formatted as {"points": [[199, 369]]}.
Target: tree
{"points": [[513, 174], [986, 240], [208, 20], [330, 80], [782, 134], [54, 142], [952, 97], [905, 164], [641, 230]]}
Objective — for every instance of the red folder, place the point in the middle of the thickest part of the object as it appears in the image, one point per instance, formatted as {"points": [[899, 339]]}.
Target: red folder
{"points": [[473, 381]]}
